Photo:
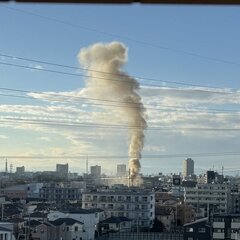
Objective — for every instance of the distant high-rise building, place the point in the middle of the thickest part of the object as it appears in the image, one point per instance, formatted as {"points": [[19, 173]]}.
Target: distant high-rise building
{"points": [[210, 176], [20, 170], [188, 167], [6, 166], [95, 171], [121, 170], [62, 169]]}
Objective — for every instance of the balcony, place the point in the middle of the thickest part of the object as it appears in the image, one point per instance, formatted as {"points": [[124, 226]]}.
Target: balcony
{"points": [[218, 224], [235, 225], [218, 235]]}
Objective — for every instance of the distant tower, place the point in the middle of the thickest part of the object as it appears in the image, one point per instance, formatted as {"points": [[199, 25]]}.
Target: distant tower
{"points": [[6, 166], [188, 167], [11, 168]]}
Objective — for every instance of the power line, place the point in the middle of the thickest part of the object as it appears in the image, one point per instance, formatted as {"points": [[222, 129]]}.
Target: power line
{"points": [[97, 71], [118, 82], [168, 108], [179, 51], [9, 120], [155, 156]]}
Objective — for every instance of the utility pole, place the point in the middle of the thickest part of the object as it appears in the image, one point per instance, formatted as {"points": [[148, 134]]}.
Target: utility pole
{"points": [[2, 214]]}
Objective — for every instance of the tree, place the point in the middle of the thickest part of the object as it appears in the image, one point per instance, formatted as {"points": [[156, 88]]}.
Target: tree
{"points": [[158, 226]]}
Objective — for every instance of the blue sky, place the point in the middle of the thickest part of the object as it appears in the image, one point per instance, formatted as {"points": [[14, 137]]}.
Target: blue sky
{"points": [[162, 42]]}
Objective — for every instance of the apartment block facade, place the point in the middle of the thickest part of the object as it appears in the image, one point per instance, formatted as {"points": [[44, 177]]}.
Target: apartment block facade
{"points": [[226, 226], [136, 204], [209, 197]]}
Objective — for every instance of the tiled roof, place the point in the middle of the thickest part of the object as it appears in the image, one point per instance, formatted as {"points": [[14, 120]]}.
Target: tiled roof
{"points": [[67, 221]]}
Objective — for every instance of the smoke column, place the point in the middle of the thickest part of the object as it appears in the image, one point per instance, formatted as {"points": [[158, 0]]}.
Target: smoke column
{"points": [[109, 81]]}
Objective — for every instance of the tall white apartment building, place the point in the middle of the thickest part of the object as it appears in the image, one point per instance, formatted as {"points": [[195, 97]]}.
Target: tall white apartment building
{"points": [[209, 197], [136, 204]]}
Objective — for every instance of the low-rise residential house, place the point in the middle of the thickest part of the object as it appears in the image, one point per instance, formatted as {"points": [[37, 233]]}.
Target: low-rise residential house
{"points": [[166, 216], [6, 234], [161, 197], [10, 211], [116, 224], [185, 214], [69, 229], [38, 216], [87, 217], [18, 225], [6, 231], [44, 231], [197, 230]]}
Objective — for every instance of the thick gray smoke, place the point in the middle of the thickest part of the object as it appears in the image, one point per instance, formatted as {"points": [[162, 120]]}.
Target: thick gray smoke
{"points": [[108, 81]]}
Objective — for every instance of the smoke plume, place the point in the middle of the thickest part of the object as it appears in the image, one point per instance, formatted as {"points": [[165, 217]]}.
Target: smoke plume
{"points": [[107, 80]]}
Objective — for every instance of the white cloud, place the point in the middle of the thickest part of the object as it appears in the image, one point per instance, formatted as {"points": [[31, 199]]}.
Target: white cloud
{"points": [[3, 137], [106, 142], [44, 138]]}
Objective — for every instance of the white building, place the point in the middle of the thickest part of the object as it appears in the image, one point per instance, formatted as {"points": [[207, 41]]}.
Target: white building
{"points": [[205, 197], [6, 231], [89, 218], [188, 167], [136, 204]]}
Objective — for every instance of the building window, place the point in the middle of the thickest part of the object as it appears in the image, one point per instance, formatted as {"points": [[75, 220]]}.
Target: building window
{"points": [[189, 229], [76, 229], [67, 229], [201, 230]]}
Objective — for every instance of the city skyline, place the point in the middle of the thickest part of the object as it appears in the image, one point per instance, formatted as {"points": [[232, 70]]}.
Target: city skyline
{"points": [[187, 49]]}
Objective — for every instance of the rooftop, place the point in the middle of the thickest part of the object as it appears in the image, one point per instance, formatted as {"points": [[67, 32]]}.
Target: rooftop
{"points": [[67, 221], [116, 220]]}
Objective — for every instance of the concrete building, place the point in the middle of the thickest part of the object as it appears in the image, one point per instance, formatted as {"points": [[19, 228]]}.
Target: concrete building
{"points": [[188, 167], [133, 203], [33, 190], [235, 202], [59, 191], [122, 170], [205, 198], [20, 170], [95, 171], [62, 170], [15, 192], [226, 226]]}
